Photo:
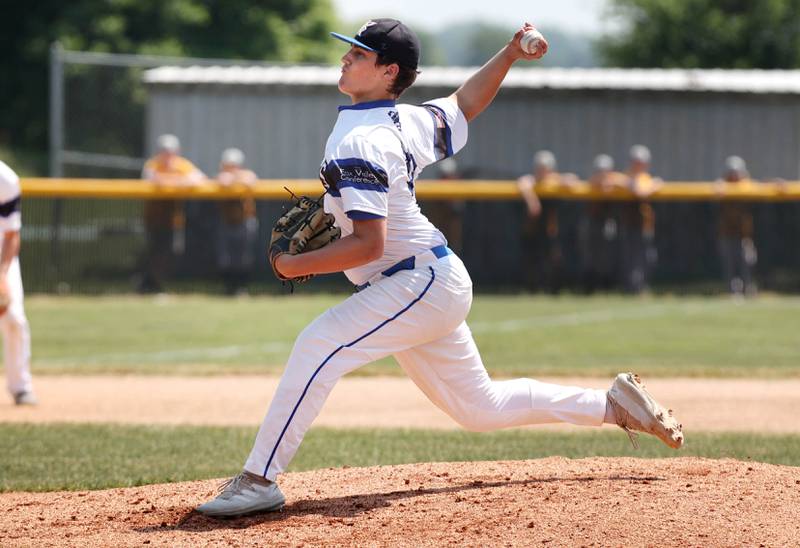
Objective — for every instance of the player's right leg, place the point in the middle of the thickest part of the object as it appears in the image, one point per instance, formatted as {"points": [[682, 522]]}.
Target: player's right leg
{"points": [[451, 373]]}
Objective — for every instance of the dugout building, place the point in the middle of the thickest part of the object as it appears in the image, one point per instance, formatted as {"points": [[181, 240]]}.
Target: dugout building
{"points": [[691, 120]]}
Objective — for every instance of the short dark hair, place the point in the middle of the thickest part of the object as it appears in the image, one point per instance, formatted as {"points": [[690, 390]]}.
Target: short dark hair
{"points": [[405, 76]]}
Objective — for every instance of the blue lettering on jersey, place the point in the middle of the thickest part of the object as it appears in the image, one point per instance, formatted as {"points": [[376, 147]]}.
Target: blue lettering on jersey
{"points": [[354, 173], [395, 119]]}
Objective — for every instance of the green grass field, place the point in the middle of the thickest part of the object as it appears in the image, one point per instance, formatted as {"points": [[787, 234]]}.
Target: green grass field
{"points": [[517, 335], [75, 457]]}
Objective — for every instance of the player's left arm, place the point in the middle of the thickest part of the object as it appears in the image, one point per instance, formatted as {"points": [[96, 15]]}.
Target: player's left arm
{"points": [[480, 89], [642, 191], [245, 177], [526, 186], [192, 177], [364, 245], [614, 180], [568, 180]]}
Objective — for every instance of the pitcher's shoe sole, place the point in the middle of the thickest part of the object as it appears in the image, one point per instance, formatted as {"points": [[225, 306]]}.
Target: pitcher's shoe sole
{"points": [[235, 510], [637, 411]]}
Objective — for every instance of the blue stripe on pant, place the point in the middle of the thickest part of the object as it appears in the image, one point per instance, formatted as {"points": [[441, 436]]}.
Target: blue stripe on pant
{"points": [[331, 355]]}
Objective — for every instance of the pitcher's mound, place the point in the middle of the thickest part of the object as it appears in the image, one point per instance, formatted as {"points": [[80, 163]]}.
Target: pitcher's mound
{"points": [[554, 501]]}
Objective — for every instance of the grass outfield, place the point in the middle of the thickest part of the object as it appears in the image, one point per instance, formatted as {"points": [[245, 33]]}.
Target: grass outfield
{"points": [[75, 457], [517, 335]]}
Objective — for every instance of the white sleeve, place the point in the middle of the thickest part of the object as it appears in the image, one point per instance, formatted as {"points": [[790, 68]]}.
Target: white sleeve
{"points": [[438, 130], [358, 172], [10, 216], [11, 222]]}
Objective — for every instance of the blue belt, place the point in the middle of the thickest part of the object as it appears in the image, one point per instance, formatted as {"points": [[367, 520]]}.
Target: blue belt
{"points": [[409, 263]]}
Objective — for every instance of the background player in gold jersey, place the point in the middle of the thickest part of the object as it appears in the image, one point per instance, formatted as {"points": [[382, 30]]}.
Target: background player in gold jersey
{"points": [[737, 249], [638, 222], [543, 251], [164, 220]]}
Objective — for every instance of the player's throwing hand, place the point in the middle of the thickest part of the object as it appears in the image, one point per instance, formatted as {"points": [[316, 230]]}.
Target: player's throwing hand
{"points": [[516, 46]]}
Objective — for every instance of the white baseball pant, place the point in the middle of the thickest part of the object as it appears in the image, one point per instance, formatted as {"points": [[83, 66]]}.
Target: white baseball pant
{"points": [[16, 336], [418, 316]]}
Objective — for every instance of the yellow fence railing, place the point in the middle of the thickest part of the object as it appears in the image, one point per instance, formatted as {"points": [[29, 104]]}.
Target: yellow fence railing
{"points": [[273, 189]]}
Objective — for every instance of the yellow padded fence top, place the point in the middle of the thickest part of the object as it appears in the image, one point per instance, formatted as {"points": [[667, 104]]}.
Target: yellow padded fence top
{"points": [[273, 189]]}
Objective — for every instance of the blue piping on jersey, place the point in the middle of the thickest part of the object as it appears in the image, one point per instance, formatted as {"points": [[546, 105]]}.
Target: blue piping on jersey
{"points": [[381, 103], [331, 355], [357, 215]]}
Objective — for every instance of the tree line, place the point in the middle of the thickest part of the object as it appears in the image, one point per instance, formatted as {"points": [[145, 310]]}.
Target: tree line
{"points": [[645, 33]]}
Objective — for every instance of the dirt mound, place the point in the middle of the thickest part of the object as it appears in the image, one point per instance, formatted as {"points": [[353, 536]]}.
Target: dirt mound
{"points": [[551, 502]]}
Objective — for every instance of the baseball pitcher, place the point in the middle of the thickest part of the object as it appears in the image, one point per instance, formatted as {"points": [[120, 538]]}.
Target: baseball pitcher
{"points": [[412, 292]]}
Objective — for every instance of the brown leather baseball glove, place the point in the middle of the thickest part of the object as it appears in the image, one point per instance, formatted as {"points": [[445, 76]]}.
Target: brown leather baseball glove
{"points": [[302, 228]]}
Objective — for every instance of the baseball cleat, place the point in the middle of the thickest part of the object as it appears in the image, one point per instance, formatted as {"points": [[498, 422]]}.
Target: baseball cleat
{"points": [[244, 494], [635, 410], [25, 398]]}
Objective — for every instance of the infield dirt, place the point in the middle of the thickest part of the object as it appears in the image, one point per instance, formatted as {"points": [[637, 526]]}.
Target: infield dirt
{"points": [[711, 405], [548, 502]]}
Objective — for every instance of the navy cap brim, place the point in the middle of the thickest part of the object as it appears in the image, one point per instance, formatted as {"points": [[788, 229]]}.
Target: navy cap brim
{"points": [[353, 41]]}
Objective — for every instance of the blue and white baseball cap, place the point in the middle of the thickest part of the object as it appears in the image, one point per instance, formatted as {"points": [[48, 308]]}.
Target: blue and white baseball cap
{"points": [[389, 38]]}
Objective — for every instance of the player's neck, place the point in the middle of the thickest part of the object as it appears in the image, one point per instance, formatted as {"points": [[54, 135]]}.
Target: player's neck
{"points": [[372, 96]]}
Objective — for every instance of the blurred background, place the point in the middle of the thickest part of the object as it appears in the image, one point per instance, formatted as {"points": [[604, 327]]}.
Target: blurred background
{"points": [[650, 160], [90, 87]]}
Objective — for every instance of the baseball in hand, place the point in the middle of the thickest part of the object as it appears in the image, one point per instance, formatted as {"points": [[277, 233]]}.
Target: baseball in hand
{"points": [[531, 41]]}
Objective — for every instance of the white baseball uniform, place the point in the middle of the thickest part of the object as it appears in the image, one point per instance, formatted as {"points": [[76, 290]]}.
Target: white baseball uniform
{"points": [[411, 303], [14, 324]]}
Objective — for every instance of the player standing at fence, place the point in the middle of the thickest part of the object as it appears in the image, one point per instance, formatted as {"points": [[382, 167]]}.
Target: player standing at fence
{"points": [[164, 219], [736, 246], [413, 294], [13, 323], [239, 224], [543, 251], [638, 220], [600, 228]]}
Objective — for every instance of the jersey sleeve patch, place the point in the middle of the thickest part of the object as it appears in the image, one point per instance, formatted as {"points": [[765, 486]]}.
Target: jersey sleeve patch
{"points": [[354, 173]]}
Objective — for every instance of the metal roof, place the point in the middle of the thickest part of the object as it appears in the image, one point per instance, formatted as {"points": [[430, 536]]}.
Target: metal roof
{"points": [[714, 80]]}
